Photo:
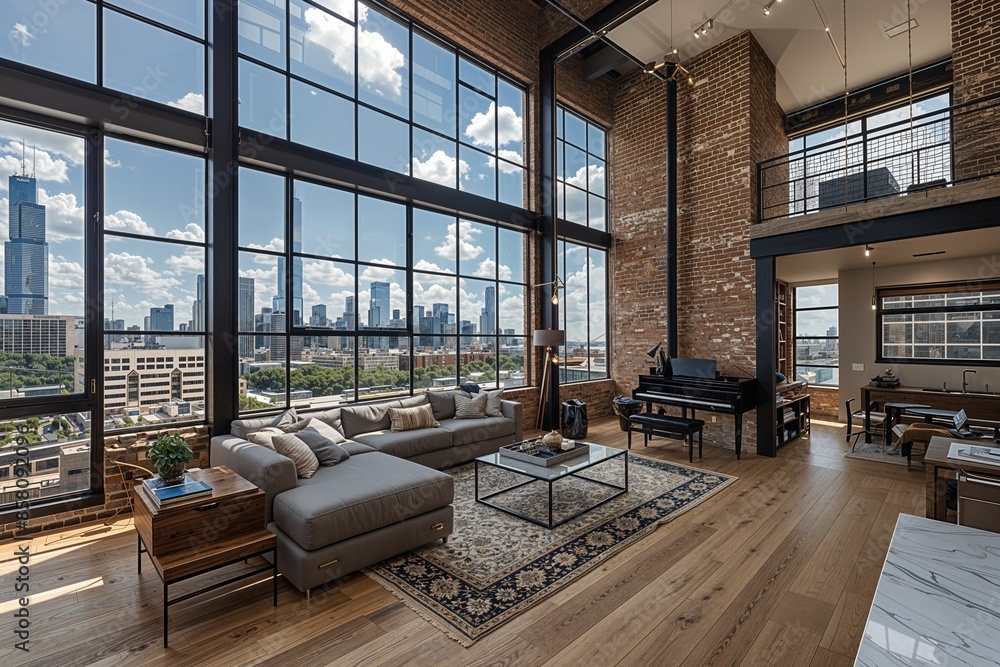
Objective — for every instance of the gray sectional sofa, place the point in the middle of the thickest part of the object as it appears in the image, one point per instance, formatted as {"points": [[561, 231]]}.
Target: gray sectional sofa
{"points": [[387, 498]]}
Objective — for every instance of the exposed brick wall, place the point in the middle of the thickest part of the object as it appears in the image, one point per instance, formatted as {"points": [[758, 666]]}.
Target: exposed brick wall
{"points": [[597, 394], [727, 122], [824, 402], [975, 41], [129, 448]]}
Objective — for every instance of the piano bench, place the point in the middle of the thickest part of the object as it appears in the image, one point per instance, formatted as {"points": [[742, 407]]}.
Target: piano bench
{"points": [[666, 426]]}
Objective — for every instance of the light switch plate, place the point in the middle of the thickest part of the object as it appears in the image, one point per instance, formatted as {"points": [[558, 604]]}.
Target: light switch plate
{"points": [[857, 367]]}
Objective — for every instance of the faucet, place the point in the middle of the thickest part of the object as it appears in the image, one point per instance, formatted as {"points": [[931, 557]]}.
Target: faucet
{"points": [[965, 381]]}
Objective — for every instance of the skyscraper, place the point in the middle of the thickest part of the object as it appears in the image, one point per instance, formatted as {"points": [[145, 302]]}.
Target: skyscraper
{"points": [[318, 317], [198, 307], [26, 254], [245, 314], [278, 302], [162, 319], [378, 313], [349, 313], [488, 315]]}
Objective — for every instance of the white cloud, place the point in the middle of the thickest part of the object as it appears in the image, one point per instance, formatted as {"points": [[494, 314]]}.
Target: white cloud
{"points": [[65, 274], [512, 156], [424, 265], [21, 36], [468, 248], [487, 269], [440, 168], [378, 61], [507, 125], [110, 161], [127, 221], [274, 245], [63, 218], [191, 232], [137, 272], [333, 35], [327, 273], [193, 102], [41, 163], [72, 149], [192, 260]]}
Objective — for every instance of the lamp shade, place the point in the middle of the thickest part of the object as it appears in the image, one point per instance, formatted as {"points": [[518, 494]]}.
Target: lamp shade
{"points": [[549, 337]]}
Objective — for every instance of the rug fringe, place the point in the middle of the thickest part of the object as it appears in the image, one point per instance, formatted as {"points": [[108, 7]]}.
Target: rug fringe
{"points": [[418, 608]]}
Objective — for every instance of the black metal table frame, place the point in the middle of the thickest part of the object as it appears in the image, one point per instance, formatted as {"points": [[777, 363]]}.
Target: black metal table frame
{"points": [[246, 575], [619, 490]]}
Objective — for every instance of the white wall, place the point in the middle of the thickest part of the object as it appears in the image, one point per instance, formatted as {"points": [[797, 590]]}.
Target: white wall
{"points": [[857, 326]]}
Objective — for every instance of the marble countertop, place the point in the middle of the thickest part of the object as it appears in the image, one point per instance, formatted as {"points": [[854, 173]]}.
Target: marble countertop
{"points": [[938, 599]]}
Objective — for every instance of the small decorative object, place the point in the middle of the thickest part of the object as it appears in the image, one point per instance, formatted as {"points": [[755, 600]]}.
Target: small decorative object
{"points": [[169, 454], [552, 439], [568, 445]]}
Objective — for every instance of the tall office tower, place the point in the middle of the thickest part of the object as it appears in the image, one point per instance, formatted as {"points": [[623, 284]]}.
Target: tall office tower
{"points": [[245, 315], [467, 328], [378, 313], [262, 323], [162, 319], [113, 325], [349, 317], [318, 317], [198, 307], [440, 319], [278, 351], [3, 304], [418, 316], [278, 302], [488, 315], [26, 254]]}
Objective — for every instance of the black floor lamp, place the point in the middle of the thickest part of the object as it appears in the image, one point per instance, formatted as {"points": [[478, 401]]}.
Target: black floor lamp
{"points": [[549, 339]]}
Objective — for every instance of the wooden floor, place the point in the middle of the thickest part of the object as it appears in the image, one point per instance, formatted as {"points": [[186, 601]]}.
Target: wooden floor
{"points": [[778, 569]]}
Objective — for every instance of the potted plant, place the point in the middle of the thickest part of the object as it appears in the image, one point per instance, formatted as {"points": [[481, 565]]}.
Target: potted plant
{"points": [[169, 454]]}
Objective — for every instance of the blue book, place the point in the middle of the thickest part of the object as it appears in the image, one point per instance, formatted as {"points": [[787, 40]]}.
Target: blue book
{"points": [[165, 494]]}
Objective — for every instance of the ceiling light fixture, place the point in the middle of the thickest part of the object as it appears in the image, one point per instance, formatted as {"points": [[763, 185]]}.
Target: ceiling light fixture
{"points": [[897, 30], [868, 250], [873, 286], [767, 7]]}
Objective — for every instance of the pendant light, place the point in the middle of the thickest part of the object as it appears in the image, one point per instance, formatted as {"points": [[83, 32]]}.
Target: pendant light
{"points": [[873, 286]]}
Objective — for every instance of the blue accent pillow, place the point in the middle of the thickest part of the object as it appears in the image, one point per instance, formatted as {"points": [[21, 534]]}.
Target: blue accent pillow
{"points": [[781, 378]]}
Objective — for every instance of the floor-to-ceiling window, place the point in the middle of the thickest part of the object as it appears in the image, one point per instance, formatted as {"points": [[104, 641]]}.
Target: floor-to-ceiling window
{"points": [[581, 166], [817, 343]]}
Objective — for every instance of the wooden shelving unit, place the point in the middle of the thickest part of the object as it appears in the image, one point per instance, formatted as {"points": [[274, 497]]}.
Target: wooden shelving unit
{"points": [[793, 418], [785, 351]]}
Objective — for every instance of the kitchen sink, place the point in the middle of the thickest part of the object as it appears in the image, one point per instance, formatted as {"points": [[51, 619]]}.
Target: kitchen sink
{"points": [[959, 391]]}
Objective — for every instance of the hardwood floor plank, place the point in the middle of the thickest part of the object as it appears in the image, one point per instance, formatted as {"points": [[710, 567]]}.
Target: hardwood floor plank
{"points": [[772, 559]]}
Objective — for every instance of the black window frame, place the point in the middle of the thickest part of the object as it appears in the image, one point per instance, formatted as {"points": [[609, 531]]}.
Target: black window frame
{"points": [[795, 350]]}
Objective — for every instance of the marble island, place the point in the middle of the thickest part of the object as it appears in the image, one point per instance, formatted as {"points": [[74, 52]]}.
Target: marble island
{"points": [[938, 599]]}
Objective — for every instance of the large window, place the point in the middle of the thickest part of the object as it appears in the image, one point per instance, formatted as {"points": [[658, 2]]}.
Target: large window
{"points": [[361, 82], [584, 312], [817, 346], [884, 156], [946, 324], [354, 317], [154, 285], [146, 49], [43, 384], [581, 167]]}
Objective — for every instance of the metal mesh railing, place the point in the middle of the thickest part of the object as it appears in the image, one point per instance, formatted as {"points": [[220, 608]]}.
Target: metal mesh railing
{"points": [[953, 145]]}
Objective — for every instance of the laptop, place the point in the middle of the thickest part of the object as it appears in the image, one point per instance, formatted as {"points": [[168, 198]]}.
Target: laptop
{"points": [[959, 430]]}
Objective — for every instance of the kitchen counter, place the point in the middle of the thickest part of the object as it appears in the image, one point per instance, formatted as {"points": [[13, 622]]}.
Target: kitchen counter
{"points": [[938, 599]]}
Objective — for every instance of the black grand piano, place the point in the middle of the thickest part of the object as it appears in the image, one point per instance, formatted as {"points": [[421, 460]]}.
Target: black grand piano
{"points": [[693, 384]]}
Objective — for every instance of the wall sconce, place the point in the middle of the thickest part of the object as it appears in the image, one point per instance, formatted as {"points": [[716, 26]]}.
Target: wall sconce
{"points": [[557, 285]]}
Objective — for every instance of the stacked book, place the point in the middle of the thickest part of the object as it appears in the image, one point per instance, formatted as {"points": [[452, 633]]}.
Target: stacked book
{"points": [[166, 494]]}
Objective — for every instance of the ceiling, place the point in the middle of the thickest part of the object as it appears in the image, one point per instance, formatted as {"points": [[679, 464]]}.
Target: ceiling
{"points": [[824, 265], [808, 68]]}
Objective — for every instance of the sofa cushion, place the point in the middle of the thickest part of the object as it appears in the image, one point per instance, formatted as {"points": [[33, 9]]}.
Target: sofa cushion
{"points": [[494, 403], [468, 431], [355, 448], [408, 419], [327, 452], [407, 443], [410, 401], [470, 408], [328, 431], [359, 419], [443, 403], [331, 417], [359, 495], [302, 456], [241, 428]]}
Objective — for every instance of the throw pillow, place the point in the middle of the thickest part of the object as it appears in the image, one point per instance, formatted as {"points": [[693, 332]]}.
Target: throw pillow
{"points": [[493, 407], [327, 452], [298, 451], [407, 419], [470, 408], [470, 387], [264, 436], [241, 428], [329, 432], [294, 427]]}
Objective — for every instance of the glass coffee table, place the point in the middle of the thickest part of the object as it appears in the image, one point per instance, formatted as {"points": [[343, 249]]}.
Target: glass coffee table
{"points": [[571, 469]]}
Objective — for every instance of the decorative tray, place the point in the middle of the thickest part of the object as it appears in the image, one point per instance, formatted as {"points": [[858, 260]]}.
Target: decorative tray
{"points": [[534, 452]]}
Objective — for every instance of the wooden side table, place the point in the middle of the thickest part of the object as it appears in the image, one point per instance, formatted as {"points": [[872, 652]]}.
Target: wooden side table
{"points": [[196, 536]]}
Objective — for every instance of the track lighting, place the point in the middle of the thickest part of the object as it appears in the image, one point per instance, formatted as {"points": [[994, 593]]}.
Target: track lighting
{"points": [[704, 28]]}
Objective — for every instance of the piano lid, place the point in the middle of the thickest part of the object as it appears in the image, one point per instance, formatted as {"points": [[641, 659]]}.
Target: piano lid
{"points": [[695, 368]]}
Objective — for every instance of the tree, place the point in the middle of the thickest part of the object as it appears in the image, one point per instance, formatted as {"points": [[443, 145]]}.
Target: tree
{"points": [[251, 403]]}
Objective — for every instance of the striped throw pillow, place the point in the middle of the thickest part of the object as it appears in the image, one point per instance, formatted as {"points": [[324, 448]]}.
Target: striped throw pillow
{"points": [[470, 408], [306, 463], [407, 419]]}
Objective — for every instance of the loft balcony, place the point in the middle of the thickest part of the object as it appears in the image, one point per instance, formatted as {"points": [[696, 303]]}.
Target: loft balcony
{"points": [[945, 157]]}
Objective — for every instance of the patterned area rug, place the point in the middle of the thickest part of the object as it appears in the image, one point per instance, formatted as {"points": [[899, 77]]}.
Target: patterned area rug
{"points": [[872, 451], [496, 566]]}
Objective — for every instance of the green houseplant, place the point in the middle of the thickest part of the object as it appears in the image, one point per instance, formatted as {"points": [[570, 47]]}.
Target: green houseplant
{"points": [[169, 454]]}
